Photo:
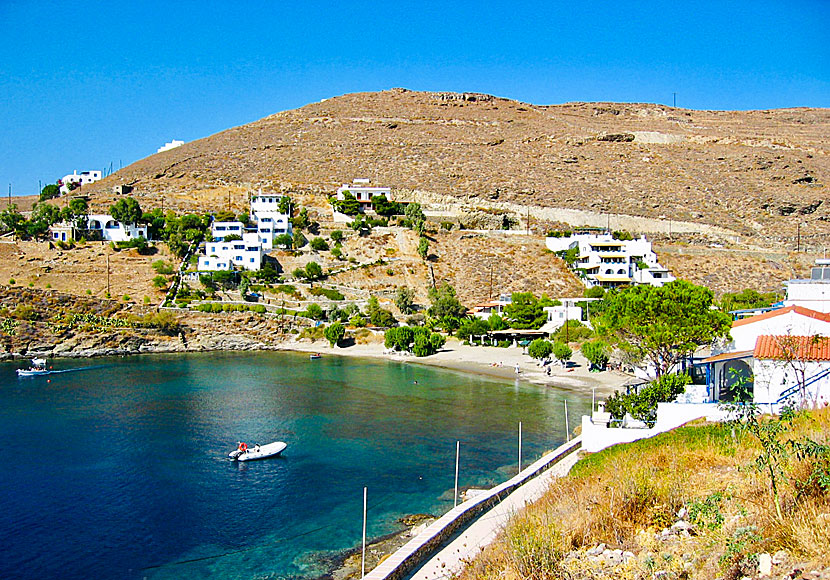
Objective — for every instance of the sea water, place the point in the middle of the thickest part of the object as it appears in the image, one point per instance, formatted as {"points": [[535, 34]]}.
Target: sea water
{"points": [[118, 468]]}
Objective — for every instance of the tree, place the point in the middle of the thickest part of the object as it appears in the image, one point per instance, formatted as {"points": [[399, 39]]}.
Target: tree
{"points": [[596, 351], [313, 271], [423, 247], [746, 300], [383, 206], [299, 240], [377, 315], [12, 220], [301, 221], [562, 352], [471, 328], [50, 191], [594, 292], [126, 210], [445, 307], [318, 244], [540, 349], [284, 205], [361, 225], [284, 240], [525, 311], [496, 322], [348, 205], [404, 300], [334, 333], [336, 236], [76, 212], [315, 312], [43, 216], [662, 324]]}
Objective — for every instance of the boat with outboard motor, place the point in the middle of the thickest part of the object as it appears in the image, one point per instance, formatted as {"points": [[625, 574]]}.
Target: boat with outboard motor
{"points": [[38, 368], [245, 453]]}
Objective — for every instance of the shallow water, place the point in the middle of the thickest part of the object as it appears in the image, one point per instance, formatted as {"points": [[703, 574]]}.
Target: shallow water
{"points": [[119, 469]]}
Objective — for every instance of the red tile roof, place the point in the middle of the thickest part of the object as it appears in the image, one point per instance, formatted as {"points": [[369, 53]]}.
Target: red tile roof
{"points": [[824, 317], [808, 348]]}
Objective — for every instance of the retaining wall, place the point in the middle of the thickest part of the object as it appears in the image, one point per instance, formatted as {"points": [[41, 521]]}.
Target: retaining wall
{"points": [[419, 548]]}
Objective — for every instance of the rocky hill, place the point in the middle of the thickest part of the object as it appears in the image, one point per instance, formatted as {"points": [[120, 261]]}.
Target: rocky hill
{"points": [[756, 173]]}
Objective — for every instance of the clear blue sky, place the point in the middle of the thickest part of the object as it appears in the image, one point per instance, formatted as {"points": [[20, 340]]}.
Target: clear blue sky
{"points": [[85, 84]]}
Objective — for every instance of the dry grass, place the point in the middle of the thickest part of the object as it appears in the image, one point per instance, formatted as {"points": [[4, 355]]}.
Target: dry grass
{"points": [[627, 496]]}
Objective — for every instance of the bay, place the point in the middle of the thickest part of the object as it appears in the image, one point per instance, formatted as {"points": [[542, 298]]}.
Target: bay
{"points": [[117, 468]]}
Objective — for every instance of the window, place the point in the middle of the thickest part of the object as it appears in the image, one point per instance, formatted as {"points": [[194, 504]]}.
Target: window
{"points": [[239, 246], [252, 260]]}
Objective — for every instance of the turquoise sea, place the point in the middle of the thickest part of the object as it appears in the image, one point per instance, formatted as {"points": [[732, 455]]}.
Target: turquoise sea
{"points": [[117, 468]]}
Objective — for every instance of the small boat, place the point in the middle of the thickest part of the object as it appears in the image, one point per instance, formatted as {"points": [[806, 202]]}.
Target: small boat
{"points": [[38, 368], [315, 356], [258, 451]]}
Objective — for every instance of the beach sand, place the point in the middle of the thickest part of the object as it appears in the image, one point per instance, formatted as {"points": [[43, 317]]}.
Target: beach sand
{"points": [[492, 361]]}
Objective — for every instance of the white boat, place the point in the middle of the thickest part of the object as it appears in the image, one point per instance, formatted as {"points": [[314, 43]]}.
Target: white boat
{"points": [[315, 356], [38, 368], [258, 451]]}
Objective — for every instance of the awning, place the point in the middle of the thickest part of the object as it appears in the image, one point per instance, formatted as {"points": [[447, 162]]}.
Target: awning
{"points": [[728, 356]]}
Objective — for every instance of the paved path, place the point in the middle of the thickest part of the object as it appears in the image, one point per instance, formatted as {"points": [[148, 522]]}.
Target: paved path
{"points": [[453, 557]]}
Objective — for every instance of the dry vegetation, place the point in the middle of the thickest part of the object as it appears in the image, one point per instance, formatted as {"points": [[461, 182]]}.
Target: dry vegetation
{"points": [[756, 172], [685, 504], [82, 270]]}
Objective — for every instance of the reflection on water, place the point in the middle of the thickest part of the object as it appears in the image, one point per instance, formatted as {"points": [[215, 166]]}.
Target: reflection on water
{"points": [[123, 470]]}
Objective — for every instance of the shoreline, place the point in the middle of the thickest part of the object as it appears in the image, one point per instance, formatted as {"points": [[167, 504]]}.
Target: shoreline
{"points": [[494, 362]]}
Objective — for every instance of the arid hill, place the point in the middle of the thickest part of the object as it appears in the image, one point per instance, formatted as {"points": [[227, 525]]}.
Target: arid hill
{"points": [[757, 173]]}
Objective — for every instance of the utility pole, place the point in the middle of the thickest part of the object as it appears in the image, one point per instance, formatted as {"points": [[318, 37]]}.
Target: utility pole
{"points": [[108, 275], [674, 101], [798, 237], [490, 293]]}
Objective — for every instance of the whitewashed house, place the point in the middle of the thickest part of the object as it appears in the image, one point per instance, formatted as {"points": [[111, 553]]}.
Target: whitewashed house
{"points": [[559, 315], [81, 179], [113, 230], [753, 360], [608, 262], [486, 309], [363, 192], [269, 221], [813, 292], [244, 254], [170, 145], [247, 253]]}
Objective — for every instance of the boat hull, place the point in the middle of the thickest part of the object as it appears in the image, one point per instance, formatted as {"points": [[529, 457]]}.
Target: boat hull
{"points": [[264, 452], [31, 373]]}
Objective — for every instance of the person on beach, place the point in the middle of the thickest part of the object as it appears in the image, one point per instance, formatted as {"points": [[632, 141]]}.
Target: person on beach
{"points": [[517, 369]]}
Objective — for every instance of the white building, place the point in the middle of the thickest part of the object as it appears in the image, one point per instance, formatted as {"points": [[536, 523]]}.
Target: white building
{"points": [[243, 254], [755, 357], [609, 262], [247, 253], [814, 292], [80, 179], [115, 231], [363, 192], [170, 145], [270, 222], [486, 309]]}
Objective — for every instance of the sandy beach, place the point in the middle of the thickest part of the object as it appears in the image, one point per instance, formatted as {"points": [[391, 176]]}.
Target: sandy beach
{"points": [[491, 361]]}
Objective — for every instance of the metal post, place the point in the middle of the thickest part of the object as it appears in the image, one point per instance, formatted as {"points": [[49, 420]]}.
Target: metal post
{"points": [[593, 399], [108, 275], [520, 446], [567, 427], [457, 452], [363, 558]]}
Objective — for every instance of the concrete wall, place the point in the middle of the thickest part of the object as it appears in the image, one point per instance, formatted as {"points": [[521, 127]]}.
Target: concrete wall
{"points": [[414, 552], [669, 416]]}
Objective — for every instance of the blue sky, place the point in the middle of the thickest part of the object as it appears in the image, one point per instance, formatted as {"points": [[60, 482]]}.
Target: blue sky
{"points": [[87, 84]]}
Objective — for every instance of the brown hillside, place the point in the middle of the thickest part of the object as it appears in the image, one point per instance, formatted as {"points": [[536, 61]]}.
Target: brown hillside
{"points": [[755, 172]]}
